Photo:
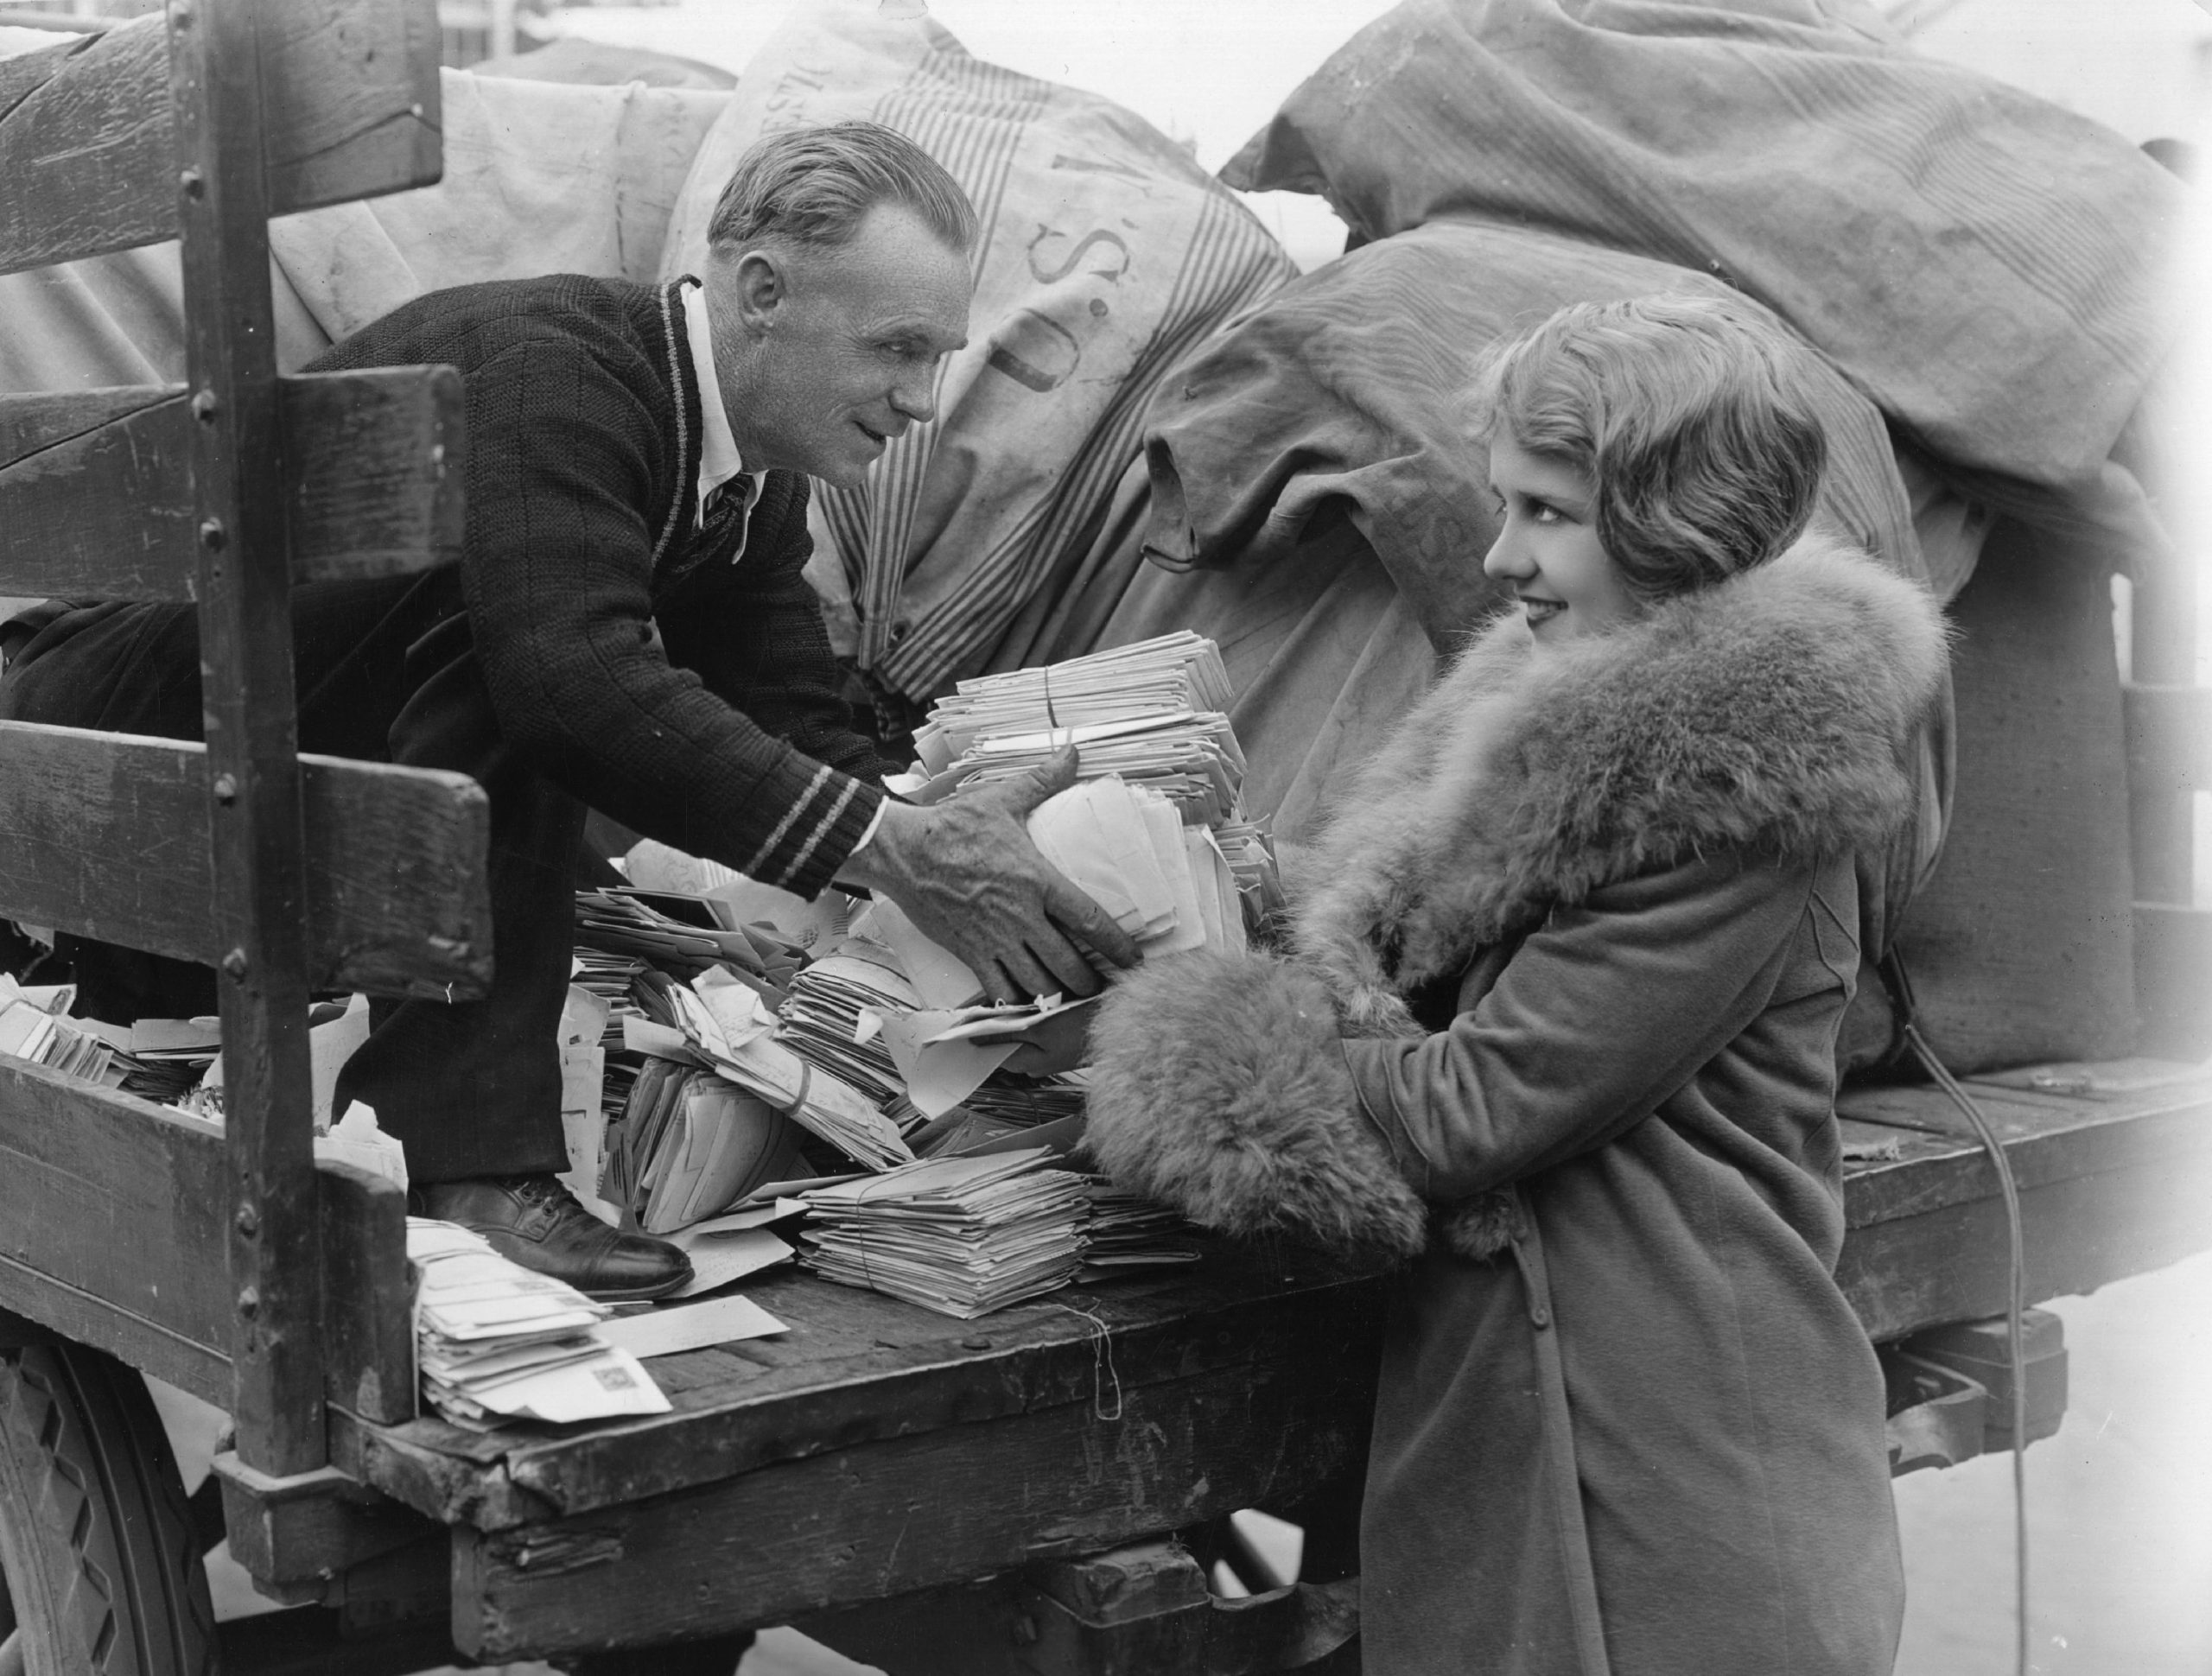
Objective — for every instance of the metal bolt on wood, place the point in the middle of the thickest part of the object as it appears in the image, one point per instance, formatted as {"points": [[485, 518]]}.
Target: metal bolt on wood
{"points": [[235, 963], [226, 789], [204, 405], [249, 1302], [211, 534]]}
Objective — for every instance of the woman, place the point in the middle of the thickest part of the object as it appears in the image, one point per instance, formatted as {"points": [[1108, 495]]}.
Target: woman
{"points": [[1558, 1033]]}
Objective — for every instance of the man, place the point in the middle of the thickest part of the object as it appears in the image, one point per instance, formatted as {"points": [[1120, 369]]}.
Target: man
{"points": [[628, 630]]}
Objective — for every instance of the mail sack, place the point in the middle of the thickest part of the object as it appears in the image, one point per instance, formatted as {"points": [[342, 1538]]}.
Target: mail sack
{"points": [[1987, 265], [1322, 432], [1105, 254]]}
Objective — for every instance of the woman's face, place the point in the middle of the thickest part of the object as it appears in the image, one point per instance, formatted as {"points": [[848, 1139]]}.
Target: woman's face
{"points": [[1548, 549]]}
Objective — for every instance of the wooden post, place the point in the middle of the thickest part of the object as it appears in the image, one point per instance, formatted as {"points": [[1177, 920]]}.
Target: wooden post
{"points": [[253, 806]]}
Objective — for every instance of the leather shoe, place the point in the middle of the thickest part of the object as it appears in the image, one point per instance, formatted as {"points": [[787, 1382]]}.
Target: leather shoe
{"points": [[535, 1221]]}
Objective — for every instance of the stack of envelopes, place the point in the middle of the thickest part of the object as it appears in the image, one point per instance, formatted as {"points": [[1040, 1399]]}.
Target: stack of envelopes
{"points": [[645, 927], [961, 1236], [28, 1032], [497, 1343], [609, 977], [1002, 1106], [1125, 1232], [164, 1058], [690, 1145], [1190, 757], [724, 1024], [1175, 674], [1251, 860], [822, 1011], [1167, 884]]}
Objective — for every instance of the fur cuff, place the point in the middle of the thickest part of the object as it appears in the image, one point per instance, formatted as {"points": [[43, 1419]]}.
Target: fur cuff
{"points": [[1219, 1088], [1477, 1228]]}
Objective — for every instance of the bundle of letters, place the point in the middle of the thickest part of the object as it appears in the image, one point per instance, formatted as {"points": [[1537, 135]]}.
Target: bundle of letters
{"points": [[609, 977], [1125, 1233], [845, 1012], [963, 1236], [1000, 1106], [1175, 674], [732, 1061], [822, 1015], [496, 1344], [156, 1059], [1149, 716], [689, 1144], [640, 926], [721, 1025], [28, 1032], [163, 1059]]}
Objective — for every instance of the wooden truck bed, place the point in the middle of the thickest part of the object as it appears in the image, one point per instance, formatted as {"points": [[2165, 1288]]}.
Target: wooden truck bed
{"points": [[876, 1449], [874, 1453]]}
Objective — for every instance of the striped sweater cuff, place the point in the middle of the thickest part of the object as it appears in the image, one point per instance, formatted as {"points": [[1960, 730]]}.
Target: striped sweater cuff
{"points": [[816, 832]]}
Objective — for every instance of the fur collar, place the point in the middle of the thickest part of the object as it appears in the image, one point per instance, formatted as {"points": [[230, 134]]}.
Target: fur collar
{"points": [[1771, 713]]}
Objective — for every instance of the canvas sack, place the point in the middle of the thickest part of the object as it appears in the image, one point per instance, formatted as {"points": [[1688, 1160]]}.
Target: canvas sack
{"points": [[1106, 254]]}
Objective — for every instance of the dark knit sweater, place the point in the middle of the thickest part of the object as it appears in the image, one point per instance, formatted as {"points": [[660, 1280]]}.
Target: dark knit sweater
{"points": [[725, 735]]}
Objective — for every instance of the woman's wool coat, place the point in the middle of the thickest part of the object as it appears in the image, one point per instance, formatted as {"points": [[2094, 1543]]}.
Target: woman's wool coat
{"points": [[1626, 1421]]}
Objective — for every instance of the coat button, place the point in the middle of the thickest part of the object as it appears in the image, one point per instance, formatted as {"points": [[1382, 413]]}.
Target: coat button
{"points": [[1541, 1315]]}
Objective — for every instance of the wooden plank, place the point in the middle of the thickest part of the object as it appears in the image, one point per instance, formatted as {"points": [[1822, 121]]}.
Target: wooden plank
{"points": [[2173, 978], [118, 1259], [906, 1371], [253, 806], [876, 1520], [453, 1477], [2081, 1233], [96, 496], [2048, 1138], [105, 835], [146, 1345], [368, 1290], [2116, 1182], [115, 1235], [116, 1204], [86, 141], [311, 1525], [68, 22]]}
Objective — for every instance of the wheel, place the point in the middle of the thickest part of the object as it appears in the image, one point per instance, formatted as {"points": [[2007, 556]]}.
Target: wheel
{"points": [[103, 1571]]}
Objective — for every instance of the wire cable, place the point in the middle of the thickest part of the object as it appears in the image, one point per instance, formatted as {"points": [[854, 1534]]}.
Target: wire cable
{"points": [[2017, 1284]]}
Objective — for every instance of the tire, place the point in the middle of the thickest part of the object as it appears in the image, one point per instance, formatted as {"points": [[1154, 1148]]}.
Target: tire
{"points": [[103, 1569]]}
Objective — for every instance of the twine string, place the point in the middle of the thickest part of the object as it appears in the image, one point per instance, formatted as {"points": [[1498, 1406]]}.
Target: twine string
{"points": [[1102, 1358]]}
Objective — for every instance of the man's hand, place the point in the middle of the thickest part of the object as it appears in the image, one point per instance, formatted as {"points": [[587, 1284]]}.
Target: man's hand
{"points": [[966, 874]]}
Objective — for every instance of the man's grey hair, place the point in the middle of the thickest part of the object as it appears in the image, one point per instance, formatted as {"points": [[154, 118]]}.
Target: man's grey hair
{"points": [[813, 186]]}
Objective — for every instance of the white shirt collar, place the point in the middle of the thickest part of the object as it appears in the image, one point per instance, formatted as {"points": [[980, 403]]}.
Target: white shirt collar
{"points": [[719, 460]]}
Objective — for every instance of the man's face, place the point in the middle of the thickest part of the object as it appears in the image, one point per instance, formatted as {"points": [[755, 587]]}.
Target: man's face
{"points": [[825, 355]]}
